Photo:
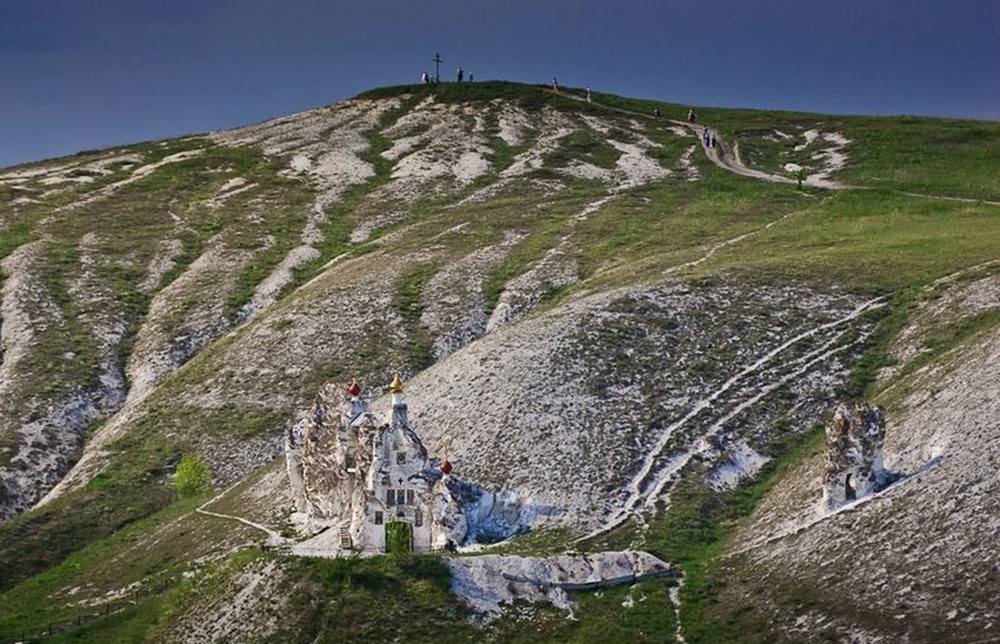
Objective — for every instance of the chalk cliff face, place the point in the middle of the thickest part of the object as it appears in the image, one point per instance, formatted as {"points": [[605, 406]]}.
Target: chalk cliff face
{"points": [[490, 582]]}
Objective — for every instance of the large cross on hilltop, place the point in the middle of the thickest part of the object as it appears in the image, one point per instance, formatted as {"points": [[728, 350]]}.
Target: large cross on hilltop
{"points": [[437, 67]]}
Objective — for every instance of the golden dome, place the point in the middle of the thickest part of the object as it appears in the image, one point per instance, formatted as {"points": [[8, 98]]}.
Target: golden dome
{"points": [[397, 385]]}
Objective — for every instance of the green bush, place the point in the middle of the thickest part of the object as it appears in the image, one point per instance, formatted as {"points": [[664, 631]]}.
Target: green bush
{"points": [[193, 476], [398, 538]]}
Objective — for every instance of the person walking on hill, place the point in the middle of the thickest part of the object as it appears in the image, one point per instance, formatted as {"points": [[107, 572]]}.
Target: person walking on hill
{"points": [[425, 78], [588, 95], [555, 84], [705, 136], [692, 116], [461, 73]]}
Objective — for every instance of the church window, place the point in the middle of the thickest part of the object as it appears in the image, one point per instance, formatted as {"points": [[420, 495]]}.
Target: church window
{"points": [[409, 497], [390, 497], [400, 497], [349, 462], [378, 517], [401, 457], [418, 518]]}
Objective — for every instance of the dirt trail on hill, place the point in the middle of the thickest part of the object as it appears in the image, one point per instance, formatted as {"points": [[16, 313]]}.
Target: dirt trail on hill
{"points": [[728, 158], [273, 536]]}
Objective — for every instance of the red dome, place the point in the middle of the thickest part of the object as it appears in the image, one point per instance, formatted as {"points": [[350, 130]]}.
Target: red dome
{"points": [[446, 467], [354, 389]]}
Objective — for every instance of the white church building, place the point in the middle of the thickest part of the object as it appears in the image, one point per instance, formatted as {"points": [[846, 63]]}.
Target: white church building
{"points": [[366, 484]]}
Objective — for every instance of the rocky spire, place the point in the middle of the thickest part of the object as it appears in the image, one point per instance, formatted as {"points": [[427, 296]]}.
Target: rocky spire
{"points": [[854, 437]]}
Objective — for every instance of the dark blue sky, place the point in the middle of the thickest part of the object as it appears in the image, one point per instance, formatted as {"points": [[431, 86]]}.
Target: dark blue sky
{"points": [[78, 74]]}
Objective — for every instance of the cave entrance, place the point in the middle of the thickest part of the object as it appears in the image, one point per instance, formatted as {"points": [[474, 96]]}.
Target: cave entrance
{"points": [[850, 492]]}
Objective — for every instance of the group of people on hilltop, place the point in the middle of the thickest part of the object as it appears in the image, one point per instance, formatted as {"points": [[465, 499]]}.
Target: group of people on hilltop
{"points": [[426, 78]]}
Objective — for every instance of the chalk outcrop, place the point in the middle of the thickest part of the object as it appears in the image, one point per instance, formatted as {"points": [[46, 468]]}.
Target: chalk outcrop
{"points": [[489, 582], [854, 438]]}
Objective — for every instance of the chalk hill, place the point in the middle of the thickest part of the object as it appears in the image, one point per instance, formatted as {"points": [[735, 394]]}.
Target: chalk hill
{"points": [[630, 332]]}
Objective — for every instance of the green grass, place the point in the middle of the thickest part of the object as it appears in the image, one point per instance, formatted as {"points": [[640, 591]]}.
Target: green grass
{"points": [[128, 228], [131, 487], [889, 321], [153, 552], [947, 337], [133, 624], [503, 153], [933, 156], [16, 234], [946, 157], [536, 543], [879, 242], [408, 302], [586, 146], [682, 222], [40, 539]]}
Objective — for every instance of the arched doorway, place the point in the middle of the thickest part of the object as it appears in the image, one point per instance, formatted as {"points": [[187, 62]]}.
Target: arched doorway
{"points": [[850, 492], [398, 537]]}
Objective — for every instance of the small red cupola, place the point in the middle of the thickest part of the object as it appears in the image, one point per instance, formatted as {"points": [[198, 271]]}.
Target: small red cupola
{"points": [[354, 389], [446, 467]]}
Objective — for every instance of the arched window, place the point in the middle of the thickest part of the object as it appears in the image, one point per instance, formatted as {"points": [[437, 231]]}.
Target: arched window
{"points": [[850, 492]]}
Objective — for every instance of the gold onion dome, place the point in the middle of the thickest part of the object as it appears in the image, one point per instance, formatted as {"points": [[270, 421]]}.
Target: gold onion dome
{"points": [[397, 385]]}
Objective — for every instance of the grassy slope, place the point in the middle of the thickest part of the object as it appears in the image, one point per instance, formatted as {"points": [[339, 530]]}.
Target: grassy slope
{"points": [[129, 225], [942, 157], [873, 241]]}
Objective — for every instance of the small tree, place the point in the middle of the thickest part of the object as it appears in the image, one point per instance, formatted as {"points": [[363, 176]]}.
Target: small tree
{"points": [[801, 176], [193, 476]]}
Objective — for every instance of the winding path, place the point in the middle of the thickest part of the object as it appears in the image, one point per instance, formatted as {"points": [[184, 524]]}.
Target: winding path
{"points": [[273, 537], [728, 158]]}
